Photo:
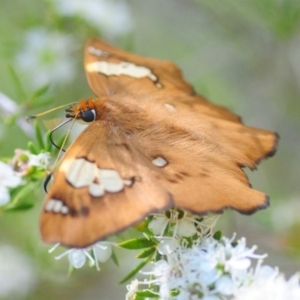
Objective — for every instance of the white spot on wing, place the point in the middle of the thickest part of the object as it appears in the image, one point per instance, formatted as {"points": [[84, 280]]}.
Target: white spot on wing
{"points": [[169, 106], [152, 77], [159, 162], [57, 206], [50, 204], [111, 180], [64, 210], [97, 51], [96, 190], [122, 68], [128, 181], [80, 173]]}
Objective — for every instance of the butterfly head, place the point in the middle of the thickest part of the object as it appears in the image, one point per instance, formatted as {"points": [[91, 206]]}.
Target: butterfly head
{"points": [[85, 110]]}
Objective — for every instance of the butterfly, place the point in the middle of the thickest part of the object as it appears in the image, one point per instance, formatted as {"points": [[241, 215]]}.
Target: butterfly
{"points": [[151, 144]]}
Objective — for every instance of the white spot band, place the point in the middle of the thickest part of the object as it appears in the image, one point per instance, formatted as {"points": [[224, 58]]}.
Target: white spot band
{"points": [[97, 52], [122, 68], [83, 173], [56, 206]]}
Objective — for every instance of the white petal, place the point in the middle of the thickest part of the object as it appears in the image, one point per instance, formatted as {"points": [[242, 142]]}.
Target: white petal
{"points": [[102, 252], [208, 278], [265, 273], [186, 228], [167, 246], [77, 258], [225, 285], [240, 264], [8, 177], [158, 224]]}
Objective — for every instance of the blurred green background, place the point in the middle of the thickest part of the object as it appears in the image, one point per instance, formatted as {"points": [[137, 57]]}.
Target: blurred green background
{"points": [[242, 54]]}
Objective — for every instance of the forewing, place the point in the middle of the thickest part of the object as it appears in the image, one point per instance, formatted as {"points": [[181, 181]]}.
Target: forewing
{"points": [[111, 71], [101, 187], [126, 72]]}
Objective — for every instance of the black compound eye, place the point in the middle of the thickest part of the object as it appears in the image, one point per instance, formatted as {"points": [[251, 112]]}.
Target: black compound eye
{"points": [[88, 115]]}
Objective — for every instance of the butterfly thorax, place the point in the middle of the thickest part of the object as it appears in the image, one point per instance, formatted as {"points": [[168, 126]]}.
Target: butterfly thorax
{"points": [[85, 110]]}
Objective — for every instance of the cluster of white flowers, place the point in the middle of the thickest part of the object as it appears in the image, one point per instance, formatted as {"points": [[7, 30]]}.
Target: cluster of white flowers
{"points": [[12, 173], [209, 269], [268, 284], [23, 160], [46, 57], [181, 223]]}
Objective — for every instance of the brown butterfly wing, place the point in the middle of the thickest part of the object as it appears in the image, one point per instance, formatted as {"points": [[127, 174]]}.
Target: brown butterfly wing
{"points": [[79, 218], [169, 76], [204, 154], [204, 141], [166, 73], [203, 167]]}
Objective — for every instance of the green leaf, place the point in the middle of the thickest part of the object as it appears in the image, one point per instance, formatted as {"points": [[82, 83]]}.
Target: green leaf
{"points": [[147, 294], [40, 91], [137, 297], [142, 226], [135, 270], [114, 258], [19, 87], [71, 270], [39, 136], [134, 244], [11, 120], [48, 144], [146, 253], [175, 292], [22, 197], [218, 235], [32, 148]]}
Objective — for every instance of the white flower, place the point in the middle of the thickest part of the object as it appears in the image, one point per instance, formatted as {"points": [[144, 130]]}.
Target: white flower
{"points": [[99, 252], [46, 57], [40, 160], [271, 289], [17, 276], [111, 18], [8, 108], [132, 288], [23, 160], [210, 268], [8, 179], [167, 245], [181, 223]]}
